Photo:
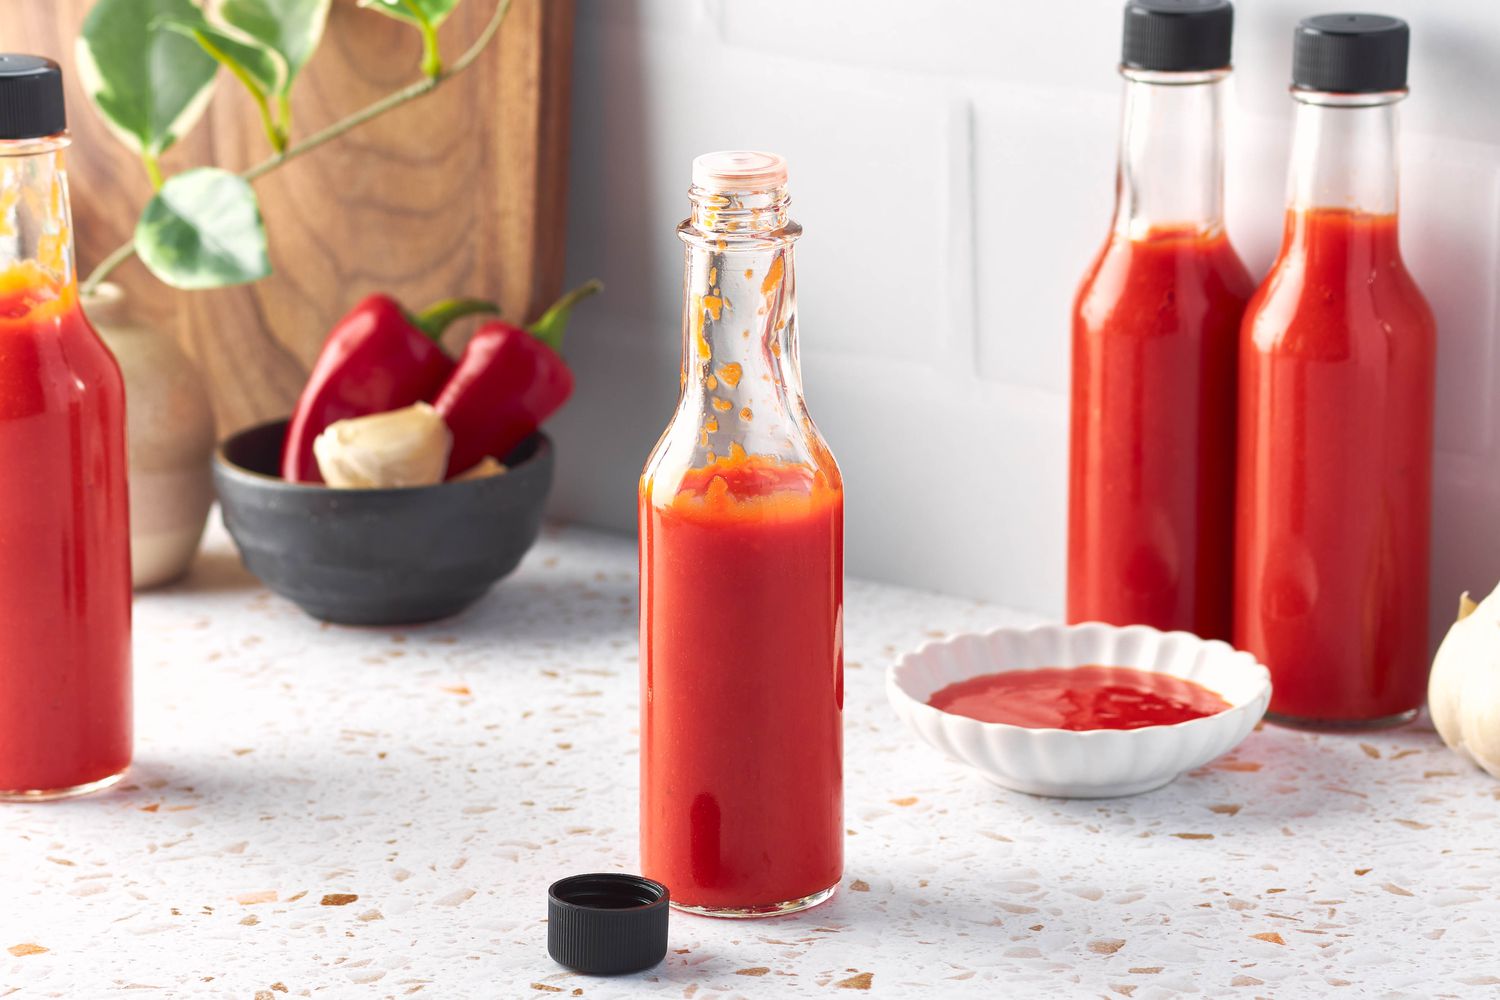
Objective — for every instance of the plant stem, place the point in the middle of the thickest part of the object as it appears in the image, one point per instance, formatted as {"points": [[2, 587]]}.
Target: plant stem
{"points": [[153, 170], [432, 58], [473, 51], [273, 133], [410, 92], [118, 256], [338, 128]]}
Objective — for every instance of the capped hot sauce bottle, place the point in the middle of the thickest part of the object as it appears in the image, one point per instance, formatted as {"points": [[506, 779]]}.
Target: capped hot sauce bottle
{"points": [[65, 725], [742, 579], [1155, 328], [1337, 363]]}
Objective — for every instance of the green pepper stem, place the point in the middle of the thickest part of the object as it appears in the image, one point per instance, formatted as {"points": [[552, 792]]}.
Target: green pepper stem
{"points": [[435, 319], [550, 326]]}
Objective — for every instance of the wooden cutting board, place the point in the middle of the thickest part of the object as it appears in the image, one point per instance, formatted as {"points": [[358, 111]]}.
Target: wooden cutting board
{"points": [[461, 192]]}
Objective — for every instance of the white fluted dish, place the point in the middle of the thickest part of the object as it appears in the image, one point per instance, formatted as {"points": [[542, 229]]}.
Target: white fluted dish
{"points": [[1097, 763]]}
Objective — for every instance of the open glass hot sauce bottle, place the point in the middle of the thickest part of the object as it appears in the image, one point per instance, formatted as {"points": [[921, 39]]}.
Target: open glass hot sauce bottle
{"points": [[1155, 328], [1336, 397], [64, 534], [742, 569]]}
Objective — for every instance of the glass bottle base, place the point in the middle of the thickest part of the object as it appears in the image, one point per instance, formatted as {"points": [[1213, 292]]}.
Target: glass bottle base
{"points": [[72, 791], [1342, 725], [766, 910]]}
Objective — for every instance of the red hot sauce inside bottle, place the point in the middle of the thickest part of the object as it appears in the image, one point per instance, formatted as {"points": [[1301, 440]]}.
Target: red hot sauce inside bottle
{"points": [[1337, 370], [742, 548], [65, 700], [1155, 332]]}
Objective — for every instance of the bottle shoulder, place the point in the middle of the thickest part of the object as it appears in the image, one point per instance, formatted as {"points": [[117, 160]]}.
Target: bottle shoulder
{"points": [[1164, 284], [1326, 309], [1175, 255], [691, 452]]}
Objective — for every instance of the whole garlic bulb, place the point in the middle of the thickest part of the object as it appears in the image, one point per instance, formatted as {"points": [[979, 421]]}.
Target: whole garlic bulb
{"points": [[1463, 693]]}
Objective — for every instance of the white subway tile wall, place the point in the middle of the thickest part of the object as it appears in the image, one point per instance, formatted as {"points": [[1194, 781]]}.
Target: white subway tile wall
{"points": [[953, 163]]}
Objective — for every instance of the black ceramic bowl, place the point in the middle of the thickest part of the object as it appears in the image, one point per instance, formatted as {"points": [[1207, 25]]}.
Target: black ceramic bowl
{"points": [[378, 557]]}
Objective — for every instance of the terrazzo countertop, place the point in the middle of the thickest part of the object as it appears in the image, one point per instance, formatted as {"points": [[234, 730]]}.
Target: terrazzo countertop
{"points": [[323, 811]]}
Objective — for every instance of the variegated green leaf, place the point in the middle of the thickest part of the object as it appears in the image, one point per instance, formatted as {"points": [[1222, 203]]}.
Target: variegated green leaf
{"points": [[203, 230], [250, 60], [292, 28], [435, 11], [149, 84]]}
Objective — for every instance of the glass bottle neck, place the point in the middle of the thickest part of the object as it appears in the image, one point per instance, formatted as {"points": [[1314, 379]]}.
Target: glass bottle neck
{"points": [[1171, 153], [741, 412], [739, 333], [1344, 152], [716, 331], [35, 224]]}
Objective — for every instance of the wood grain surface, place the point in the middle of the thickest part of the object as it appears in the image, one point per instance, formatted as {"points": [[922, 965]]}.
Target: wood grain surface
{"points": [[461, 192]]}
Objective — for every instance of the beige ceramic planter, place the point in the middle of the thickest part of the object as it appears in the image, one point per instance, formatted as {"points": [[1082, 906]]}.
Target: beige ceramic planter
{"points": [[170, 433]]}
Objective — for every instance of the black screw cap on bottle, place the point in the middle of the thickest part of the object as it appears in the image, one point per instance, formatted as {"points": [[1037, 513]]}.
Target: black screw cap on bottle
{"points": [[1350, 53], [1177, 36], [31, 97], [606, 924]]}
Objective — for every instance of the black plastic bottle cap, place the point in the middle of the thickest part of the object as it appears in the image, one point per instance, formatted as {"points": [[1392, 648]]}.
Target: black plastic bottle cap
{"points": [[1177, 36], [1350, 53], [605, 924], [31, 97]]}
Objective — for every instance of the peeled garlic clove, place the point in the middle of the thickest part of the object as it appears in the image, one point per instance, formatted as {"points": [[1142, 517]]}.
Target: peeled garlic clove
{"points": [[485, 467], [406, 447]]}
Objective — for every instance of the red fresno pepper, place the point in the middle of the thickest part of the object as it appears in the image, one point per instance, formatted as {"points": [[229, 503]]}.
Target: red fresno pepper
{"points": [[377, 358], [507, 382]]}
